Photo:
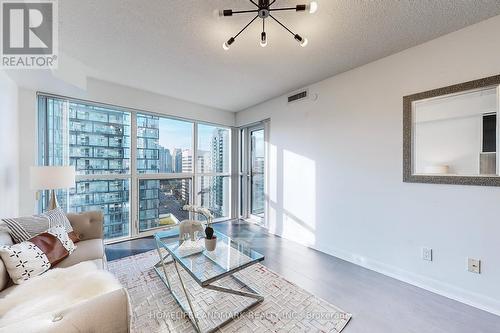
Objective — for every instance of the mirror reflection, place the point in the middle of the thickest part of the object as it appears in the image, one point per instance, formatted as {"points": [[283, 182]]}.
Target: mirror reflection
{"points": [[456, 134]]}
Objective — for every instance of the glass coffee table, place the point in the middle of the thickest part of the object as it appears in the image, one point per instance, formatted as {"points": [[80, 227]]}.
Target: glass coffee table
{"points": [[213, 271]]}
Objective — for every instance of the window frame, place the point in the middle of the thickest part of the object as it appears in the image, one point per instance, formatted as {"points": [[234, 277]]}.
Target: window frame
{"points": [[245, 170], [133, 176]]}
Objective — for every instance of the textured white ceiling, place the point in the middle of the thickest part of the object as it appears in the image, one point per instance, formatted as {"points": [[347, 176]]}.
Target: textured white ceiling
{"points": [[174, 47]]}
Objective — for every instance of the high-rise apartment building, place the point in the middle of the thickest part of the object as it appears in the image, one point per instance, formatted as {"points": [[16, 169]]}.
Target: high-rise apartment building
{"points": [[186, 161], [187, 166], [165, 162], [219, 148], [149, 160], [204, 186], [99, 143], [258, 186], [177, 160]]}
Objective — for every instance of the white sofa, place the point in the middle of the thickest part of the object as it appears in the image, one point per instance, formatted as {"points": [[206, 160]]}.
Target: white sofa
{"points": [[106, 313]]}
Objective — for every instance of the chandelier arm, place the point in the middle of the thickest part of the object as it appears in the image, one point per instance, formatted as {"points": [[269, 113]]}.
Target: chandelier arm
{"points": [[255, 3], [282, 9], [246, 26], [272, 3], [245, 11], [290, 31]]}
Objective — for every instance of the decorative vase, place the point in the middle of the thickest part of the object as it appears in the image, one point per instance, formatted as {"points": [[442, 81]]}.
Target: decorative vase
{"points": [[210, 244]]}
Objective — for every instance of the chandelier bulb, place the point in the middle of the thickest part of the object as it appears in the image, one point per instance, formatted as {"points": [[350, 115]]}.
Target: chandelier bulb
{"points": [[301, 40], [227, 45], [263, 39], [312, 7]]}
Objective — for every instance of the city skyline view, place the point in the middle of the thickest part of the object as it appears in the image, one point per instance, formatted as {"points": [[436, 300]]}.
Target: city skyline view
{"points": [[160, 198], [97, 141], [174, 134]]}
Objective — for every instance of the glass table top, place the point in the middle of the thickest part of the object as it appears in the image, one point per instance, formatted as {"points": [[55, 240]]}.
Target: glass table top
{"points": [[206, 267]]}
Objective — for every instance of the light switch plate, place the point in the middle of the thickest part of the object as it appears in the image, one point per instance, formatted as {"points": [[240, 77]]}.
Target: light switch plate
{"points": [[427, 254], [474, 265]]}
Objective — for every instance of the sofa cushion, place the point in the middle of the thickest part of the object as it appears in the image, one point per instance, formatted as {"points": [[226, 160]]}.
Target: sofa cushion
{"points": [[54, 292], [88, 225], [87, 250]]}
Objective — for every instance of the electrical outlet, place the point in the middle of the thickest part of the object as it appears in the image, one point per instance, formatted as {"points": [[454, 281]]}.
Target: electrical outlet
{"points": [[474, 265], [427, 254]]}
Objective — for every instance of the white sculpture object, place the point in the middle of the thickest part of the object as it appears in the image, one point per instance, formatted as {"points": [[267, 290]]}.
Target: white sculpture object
{"points": [[188, 228], [210, 239]]}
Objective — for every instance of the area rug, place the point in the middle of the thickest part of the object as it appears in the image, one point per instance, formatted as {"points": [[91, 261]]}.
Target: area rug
{"points": [[286, 307]]}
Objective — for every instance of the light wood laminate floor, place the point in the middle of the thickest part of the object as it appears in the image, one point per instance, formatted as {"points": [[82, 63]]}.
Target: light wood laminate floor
{"points": [[379, 304]]}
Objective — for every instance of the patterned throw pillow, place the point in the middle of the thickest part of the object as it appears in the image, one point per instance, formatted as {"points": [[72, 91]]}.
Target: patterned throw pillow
{"points": [[60, 232], [57, 217], [35, 256], [23, 228]]}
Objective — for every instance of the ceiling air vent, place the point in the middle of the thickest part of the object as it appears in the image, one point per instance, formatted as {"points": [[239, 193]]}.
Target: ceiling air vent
{"points": [[298, 96]]}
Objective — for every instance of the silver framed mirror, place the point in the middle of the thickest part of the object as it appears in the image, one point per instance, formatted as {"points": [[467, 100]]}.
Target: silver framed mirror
{"points": [[451, 134]]}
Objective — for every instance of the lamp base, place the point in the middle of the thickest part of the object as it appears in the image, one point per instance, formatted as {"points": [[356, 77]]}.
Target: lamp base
{"points": [[53, 204]]}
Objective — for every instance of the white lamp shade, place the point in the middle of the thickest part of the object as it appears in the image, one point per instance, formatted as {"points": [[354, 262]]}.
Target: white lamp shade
{"points": [[52, 177]]}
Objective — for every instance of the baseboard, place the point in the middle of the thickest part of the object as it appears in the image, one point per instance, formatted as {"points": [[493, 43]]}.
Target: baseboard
{"points": [[438, 287]]}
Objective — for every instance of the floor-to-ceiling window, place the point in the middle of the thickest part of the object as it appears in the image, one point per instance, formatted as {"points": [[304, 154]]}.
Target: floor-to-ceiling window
{"points": [[140, 169], [96, 140], [165, 168]]}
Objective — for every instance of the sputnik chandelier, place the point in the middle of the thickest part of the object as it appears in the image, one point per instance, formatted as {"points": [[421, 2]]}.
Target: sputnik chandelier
{"points": [[263, 11]]}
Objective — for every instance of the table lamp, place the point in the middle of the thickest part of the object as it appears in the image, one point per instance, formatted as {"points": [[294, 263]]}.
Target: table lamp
{"points": [[52, 178]]}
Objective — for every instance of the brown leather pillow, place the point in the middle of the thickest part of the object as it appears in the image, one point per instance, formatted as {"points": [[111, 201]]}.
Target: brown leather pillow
{"points": [[74, 237], [51, 246]]}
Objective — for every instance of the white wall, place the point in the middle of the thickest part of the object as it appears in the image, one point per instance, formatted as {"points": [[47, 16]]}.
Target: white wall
{"points": [[98, 91], [335, 179], [8, 147]]}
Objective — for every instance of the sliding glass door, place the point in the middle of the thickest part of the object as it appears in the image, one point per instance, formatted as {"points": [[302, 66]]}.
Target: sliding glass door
{"points": [[257, 148], [252, 173]]}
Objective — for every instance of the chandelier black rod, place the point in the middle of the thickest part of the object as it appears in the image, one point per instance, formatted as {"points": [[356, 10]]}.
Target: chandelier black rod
{"points": [[256, 5], [272, 3], [244, 11], [274, 18], [246, 26], [280, 9], [256, 10]]}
